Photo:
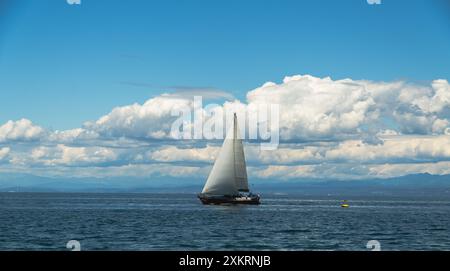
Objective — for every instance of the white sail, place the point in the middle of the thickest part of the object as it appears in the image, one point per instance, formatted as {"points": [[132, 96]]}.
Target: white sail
{"points": [[229, 174], [240, 167]]}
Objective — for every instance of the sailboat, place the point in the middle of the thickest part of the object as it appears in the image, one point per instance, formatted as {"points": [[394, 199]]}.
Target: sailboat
{"points": [[227, 182]]}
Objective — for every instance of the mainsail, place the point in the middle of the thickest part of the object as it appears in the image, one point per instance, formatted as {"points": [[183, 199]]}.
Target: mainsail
{"points": [[229, 174]]}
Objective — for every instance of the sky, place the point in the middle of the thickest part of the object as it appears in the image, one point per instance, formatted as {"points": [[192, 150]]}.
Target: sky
{"points": [[363, 88]]}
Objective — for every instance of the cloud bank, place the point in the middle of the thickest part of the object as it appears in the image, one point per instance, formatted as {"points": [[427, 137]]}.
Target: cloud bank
{"points": [[340, 129]]}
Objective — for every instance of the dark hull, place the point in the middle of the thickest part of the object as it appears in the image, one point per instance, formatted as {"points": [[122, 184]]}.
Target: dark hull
{"points": [[252, 200]]}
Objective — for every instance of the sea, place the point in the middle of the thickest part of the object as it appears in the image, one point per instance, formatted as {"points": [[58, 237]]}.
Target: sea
{"points": [[161, 221]]}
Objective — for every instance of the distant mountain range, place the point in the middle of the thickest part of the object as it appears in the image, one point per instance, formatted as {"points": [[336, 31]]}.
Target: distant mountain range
{"points": [[418, 184]]}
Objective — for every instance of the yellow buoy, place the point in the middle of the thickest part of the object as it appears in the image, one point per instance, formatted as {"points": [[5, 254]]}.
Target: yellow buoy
{"points": [[344, 204]]}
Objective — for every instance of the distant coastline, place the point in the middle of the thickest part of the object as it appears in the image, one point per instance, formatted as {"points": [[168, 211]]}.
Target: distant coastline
{"points": [[411, 185]]}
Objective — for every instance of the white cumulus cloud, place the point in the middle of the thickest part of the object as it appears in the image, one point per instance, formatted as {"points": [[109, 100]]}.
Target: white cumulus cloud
{"points": [[152, 119], [173, 153], [21, 130], [64, 156], [315, 108], [394, 148]]}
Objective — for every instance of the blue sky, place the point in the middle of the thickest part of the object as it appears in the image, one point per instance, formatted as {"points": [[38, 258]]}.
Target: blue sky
{"points": [[61, 65], [363, 90]]}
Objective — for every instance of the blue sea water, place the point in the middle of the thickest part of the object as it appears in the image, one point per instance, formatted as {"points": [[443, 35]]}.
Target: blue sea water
{"points": [[140, 221]]}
